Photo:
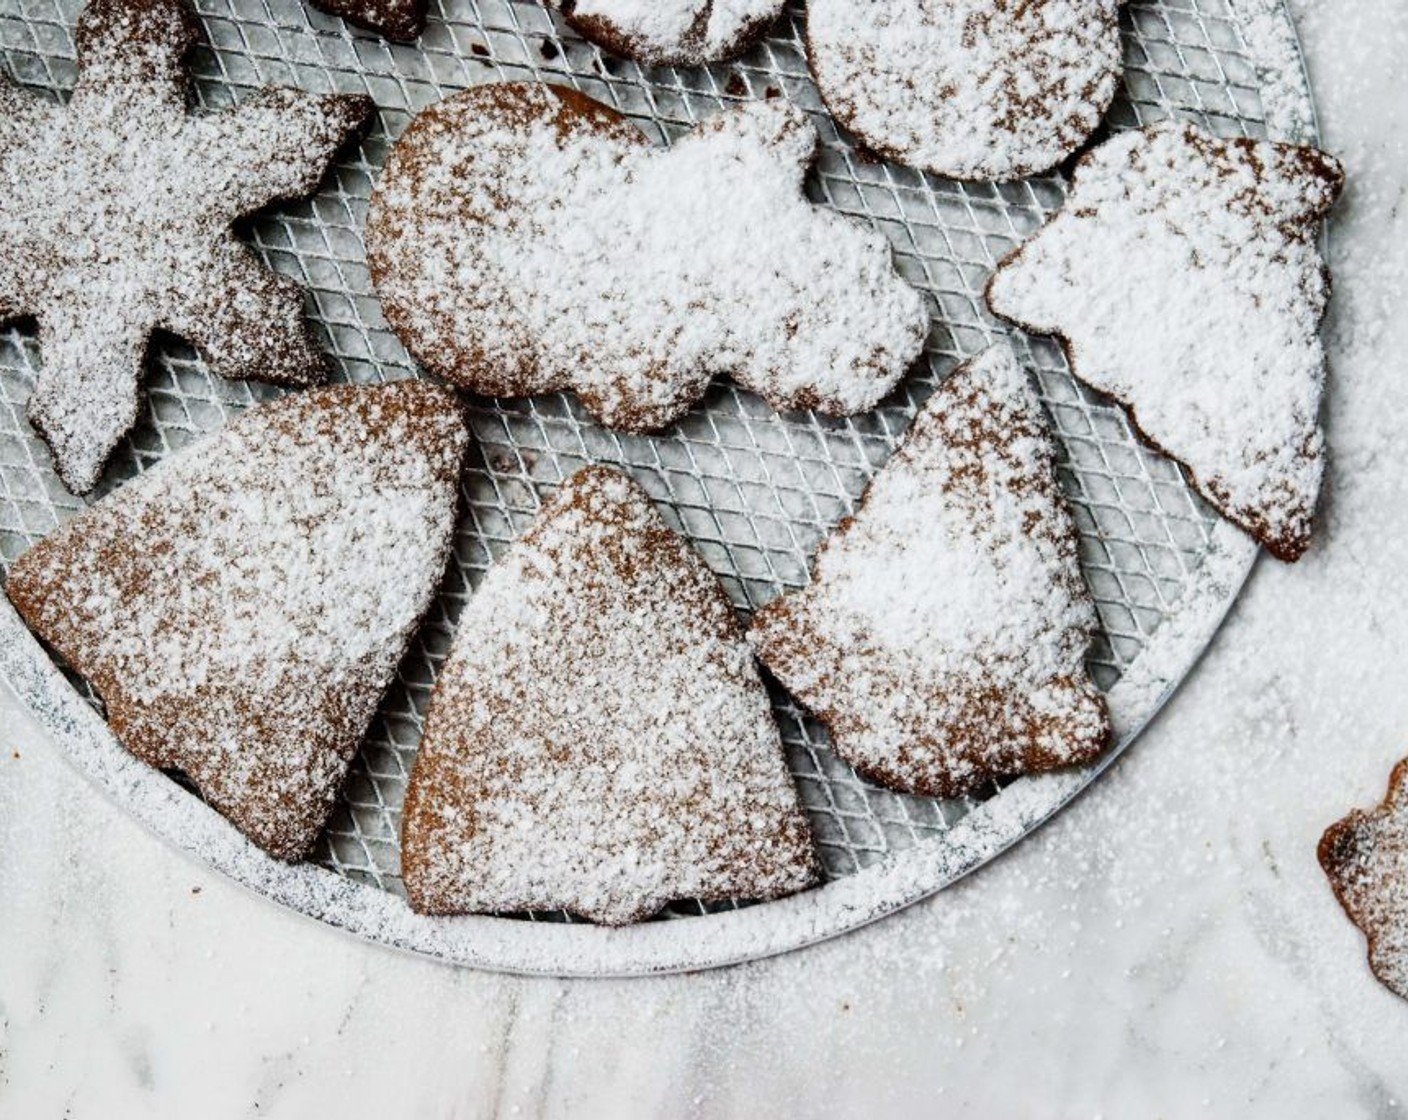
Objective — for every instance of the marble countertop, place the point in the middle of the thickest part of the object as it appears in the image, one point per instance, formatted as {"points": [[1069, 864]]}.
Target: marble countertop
{"points": [[1168, 946]]}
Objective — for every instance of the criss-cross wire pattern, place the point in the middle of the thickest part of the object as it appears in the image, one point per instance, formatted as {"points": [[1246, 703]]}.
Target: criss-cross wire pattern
{"points": [[755, 490]]}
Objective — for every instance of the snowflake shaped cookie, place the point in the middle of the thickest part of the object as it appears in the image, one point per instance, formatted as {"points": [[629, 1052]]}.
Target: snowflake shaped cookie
{"points": [[115, 215]]}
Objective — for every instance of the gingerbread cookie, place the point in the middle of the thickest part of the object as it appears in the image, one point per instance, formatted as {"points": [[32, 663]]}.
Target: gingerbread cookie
{"points": [[970, 89], [115, 215], [525, 239], [1184, 279], [398, 20], [599, 740], [942, 638], [1365, 857], [241, 607], [671, 32]]}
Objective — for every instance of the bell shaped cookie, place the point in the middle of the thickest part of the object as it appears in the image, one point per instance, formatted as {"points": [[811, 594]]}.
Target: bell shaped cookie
{"points": [[115, 214], [241, 607], [525, 239], [1365, 857], [671, 32], [969, 89], [942, 638], [598, 740], [1184, 280]]}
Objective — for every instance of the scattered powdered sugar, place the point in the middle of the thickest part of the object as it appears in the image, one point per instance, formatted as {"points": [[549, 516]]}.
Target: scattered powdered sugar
{"points": [[970, 89], [942, 637], [1366, 858], [599, 740], [114, 221], [241, 607], [672, 32], [1184, 277], [525, 239]]}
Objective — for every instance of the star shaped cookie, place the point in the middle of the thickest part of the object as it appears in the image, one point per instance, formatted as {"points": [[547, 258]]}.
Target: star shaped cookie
{"points": [[115, 214]]}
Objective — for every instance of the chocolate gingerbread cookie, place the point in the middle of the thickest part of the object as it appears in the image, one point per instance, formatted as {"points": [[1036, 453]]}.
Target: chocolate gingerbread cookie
{"points": [[970, 89], [398, 20], [241, 607], [943, 635], [1365, 857], [671, 32], [1184, 280], [599, 740], [526, 239], [115, 214]]}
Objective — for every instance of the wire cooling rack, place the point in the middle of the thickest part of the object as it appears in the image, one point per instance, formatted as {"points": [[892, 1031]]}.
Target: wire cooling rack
{"points": [[755, 490]]}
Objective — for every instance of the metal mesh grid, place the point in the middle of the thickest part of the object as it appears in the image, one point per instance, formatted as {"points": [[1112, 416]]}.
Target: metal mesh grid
{"points": [[755, 490]]}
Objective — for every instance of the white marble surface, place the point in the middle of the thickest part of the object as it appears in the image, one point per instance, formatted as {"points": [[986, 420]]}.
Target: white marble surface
{"points": [[1167, 947]]}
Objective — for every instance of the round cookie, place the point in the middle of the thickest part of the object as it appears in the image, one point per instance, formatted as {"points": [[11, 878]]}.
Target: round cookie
{"points": [[671, 32], [986, 90], [526, 239]]}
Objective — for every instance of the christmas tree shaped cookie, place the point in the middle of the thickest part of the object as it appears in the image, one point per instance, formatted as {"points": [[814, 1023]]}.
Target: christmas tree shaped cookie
{"points": [[1365, 856], [241, 607], [1184, 280], [525, 239], [671, 32], [599, 740], [942, 638], [115, 215]]}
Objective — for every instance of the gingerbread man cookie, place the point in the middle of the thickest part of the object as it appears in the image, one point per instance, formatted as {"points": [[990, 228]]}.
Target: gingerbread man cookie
{"points": [[1184, 279], [241, 606], [599, 740], [526, 239], [1365, 857], [970, 89], [942, 638], [671, 32], [115, 215]]}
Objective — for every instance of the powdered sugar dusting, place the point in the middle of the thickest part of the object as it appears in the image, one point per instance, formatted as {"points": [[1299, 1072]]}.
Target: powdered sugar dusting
{"points": [[241, 607], [1208, 328], [114, 221], [525, 239], [971, 89], [599, 740], [1366, 858], [672, 32], [942, 637]]}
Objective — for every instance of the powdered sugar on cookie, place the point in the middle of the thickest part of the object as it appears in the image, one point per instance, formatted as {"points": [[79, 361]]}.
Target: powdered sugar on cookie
{"points": [[971, 89], [1184, 277], [525, 239], [599, 740], [400, 20], [1365, 856], [672, 32], [241, 607], [942, 638], [115, 216]]}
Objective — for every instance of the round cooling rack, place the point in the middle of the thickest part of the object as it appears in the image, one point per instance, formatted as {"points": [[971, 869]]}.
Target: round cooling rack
{"points": [[755, 490]]}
